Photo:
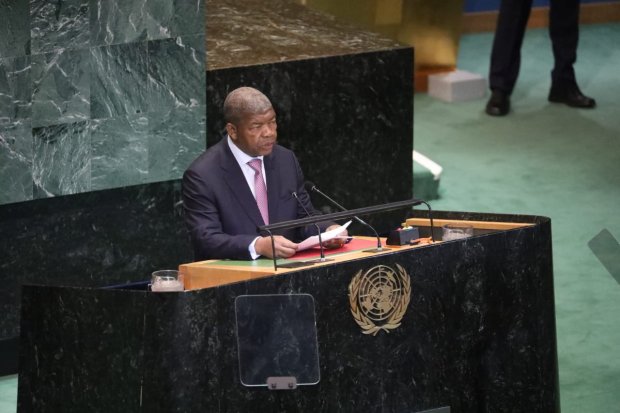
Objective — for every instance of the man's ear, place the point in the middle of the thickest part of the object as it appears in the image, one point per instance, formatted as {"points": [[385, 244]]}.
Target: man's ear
{"points": [[232, 131]]}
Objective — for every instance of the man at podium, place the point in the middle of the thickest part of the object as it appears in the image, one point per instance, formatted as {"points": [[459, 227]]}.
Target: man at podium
{"points": [[244, 181]]}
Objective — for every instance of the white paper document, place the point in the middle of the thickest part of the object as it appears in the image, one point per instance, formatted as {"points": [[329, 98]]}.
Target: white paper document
{"points": [[313, 241]]}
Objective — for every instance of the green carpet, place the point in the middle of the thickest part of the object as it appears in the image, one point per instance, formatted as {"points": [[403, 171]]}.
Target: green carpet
{"points": [[543, 159], [547, 159], [8, 394]]}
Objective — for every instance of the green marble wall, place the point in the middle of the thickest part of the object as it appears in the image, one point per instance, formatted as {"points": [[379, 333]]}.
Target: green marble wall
{"points": [[98, 94]]}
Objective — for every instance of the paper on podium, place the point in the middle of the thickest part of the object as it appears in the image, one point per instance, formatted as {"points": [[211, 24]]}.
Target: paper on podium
{"points": [[313, 241]]}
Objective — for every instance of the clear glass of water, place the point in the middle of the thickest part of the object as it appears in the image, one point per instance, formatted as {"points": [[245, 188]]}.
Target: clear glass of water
{"points": [[166, 280], [456, 231]]}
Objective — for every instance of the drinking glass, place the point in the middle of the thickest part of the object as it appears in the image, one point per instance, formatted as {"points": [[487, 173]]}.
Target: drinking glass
{"points": [[166, 280], [456, 231]]}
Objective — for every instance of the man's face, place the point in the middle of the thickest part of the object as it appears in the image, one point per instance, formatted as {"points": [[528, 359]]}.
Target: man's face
{"points": [[255, 134]]}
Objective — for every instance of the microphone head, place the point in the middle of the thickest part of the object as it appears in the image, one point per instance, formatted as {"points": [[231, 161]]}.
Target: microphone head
{"points": [[309, 186]]}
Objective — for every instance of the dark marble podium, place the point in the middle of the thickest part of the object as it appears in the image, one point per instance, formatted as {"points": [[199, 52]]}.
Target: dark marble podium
{"points": [[478, 336]]}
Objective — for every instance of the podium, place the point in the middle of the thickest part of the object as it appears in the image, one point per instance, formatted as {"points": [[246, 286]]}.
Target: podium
{"points": [[475, 332]]}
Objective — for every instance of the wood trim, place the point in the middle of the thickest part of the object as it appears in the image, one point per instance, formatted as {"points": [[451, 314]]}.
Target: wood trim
{"points": [[479, 22], [476, 224], [591, 13], [608, 12]]}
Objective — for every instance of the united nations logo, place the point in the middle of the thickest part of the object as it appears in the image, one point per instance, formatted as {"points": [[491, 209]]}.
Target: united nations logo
{"points": [[379, 298]]}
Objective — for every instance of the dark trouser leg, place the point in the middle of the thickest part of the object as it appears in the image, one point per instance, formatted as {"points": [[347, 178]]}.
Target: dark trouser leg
{"points": [[506, 52], [564, 33]]}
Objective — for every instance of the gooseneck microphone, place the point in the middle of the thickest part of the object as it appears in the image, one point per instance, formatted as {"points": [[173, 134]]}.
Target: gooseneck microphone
{"points": [[318, 229], [310, 187]]}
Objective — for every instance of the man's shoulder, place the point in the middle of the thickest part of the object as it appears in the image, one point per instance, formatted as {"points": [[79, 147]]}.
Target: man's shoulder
{"points": [[210, 157]]}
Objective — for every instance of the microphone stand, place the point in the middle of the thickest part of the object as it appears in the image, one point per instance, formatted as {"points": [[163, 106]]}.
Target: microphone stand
{"points": [[430, 217], [273, 249], [318, 230], [361, 221]]}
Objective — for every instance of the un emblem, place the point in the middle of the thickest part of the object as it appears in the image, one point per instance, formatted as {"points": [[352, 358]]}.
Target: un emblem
{"points": [[379, 298]]}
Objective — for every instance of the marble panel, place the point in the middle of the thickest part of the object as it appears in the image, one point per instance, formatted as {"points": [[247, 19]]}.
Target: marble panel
{"points": [[168, 19], [176, 73], [118, 80], [97, 238], [176, 138], [16, 162], [61, 87], [172, 359], [119, 151], [15, 89], [59, 25], [62, 158], [14, 28], [117, 21], [97, 342]]}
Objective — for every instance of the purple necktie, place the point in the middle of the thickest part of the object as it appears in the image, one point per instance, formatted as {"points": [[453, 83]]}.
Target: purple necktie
{"points": [[260, 190]]}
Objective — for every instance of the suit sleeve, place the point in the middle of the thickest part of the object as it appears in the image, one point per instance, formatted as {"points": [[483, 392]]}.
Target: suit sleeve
{"points": [[202, 216]]}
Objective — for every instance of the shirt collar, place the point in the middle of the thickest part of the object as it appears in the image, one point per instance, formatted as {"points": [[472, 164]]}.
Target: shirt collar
{"points": [[241, 157]]}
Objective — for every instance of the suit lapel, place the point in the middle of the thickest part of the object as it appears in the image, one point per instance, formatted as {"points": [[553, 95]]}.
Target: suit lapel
{"points": [[239, 187]]}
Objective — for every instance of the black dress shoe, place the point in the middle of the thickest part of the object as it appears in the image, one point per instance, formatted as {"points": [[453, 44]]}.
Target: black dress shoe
{"points": [[571, 96], [498, 104]]}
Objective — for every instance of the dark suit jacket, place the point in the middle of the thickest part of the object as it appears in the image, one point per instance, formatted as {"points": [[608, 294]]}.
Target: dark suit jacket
{"points": [[220, 211]]}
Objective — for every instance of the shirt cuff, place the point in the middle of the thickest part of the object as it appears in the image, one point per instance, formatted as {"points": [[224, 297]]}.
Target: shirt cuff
{"points": [[252, 249]]}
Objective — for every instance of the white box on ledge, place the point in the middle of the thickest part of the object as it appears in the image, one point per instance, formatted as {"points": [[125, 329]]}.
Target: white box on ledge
{"points": [[457, 86]]}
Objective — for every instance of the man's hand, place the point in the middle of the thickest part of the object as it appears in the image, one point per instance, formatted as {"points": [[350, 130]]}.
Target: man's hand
{"points": [[335, 242], [283, 247]]}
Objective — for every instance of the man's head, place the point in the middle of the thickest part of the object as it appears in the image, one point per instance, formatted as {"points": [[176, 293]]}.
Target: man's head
{"points": [[250, 121]]}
